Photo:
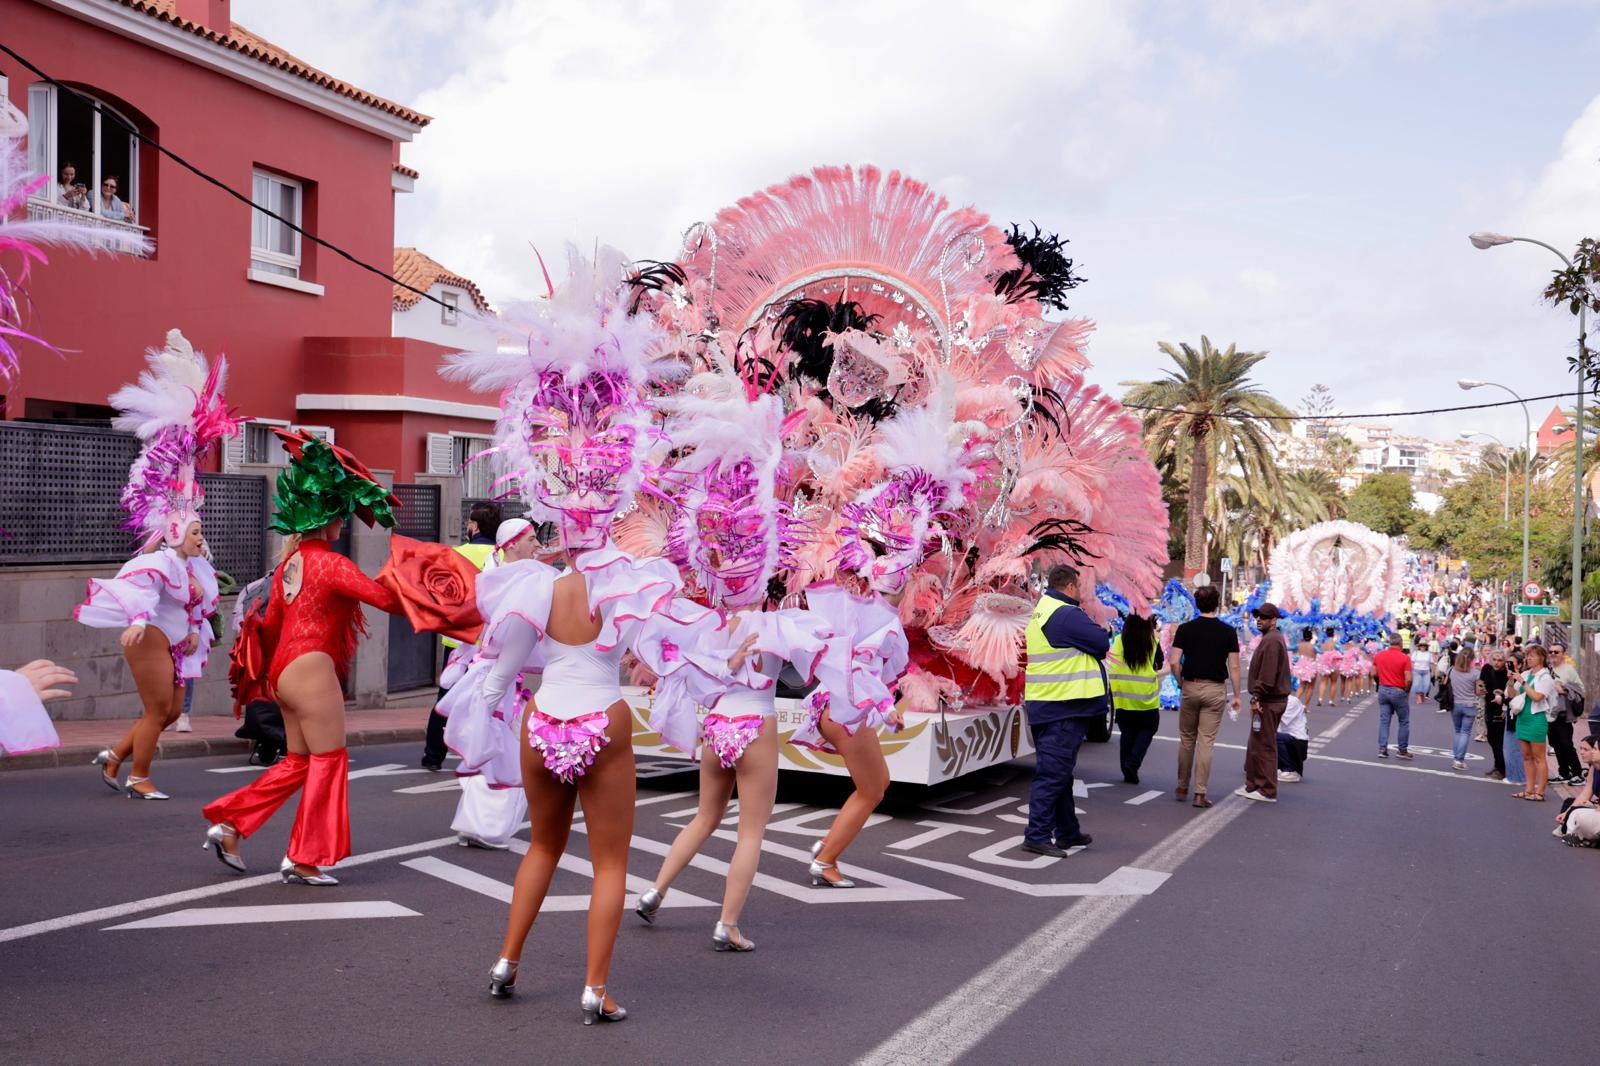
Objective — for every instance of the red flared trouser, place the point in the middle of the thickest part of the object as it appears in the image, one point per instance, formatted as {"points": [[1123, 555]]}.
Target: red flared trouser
{"points": [[321, 833]]}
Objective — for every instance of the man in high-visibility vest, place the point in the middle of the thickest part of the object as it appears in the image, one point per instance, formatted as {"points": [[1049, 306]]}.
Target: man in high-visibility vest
{"points": [[1065, 687], [482, 522]]}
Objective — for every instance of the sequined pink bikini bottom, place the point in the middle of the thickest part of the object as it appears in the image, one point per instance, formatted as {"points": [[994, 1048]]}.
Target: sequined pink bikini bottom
{"points": [[729, 737], [569, 746]]}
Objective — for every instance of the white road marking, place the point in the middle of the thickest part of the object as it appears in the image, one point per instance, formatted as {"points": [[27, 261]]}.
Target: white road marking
{"points": [[957, 1023], [1455, 774], [276, 912], [992, 855], [1123, 881], [235, 769], [937, 831], [894, 889], [388, 769], [943, 807], [190, 895], [803, 824], [1143, 797], [473, 881], [452, 785]]}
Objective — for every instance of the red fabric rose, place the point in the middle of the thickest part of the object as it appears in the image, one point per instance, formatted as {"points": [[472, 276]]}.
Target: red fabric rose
{"points": [[437, 586]]}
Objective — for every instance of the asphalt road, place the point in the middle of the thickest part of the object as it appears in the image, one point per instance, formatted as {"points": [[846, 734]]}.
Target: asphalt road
{"points": [[1381, 912]]}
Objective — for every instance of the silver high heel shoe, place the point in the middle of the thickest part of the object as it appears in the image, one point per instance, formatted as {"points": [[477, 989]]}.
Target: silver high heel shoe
{"points": [[594, 1006], [218, 835], [105, 757], [502, 978], [722, 939], [817, 879], [649, 903], [292, 877], [133, 793]]}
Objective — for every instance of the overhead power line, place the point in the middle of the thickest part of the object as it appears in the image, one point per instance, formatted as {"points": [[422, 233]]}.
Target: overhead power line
{"points": [[106, 113], [1379, 414]]}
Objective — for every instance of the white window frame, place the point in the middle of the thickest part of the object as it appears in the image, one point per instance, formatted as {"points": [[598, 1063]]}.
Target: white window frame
{"points": [[43, 151], [268, 256], [450, 314]]}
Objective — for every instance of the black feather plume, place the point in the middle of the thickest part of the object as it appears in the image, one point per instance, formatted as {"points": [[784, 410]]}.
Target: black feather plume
{"points": [[1045, 273], [1062, 535], [801, 330], [652, 275]]}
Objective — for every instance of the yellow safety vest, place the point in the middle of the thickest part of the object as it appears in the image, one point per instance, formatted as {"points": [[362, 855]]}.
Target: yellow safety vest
{"points": [[1056, 674], [1133, 688], [479, 555]]}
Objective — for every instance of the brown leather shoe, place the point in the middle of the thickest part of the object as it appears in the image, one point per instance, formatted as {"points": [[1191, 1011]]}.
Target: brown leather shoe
{"points": [[1201, 801], [1181, 794]]}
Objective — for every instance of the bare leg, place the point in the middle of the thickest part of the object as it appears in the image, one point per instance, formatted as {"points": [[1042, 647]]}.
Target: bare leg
{"points": [[150, 662], [716, 788], [312, 702], [757, 772], [608, 792], [863, 757], [550, 805]]}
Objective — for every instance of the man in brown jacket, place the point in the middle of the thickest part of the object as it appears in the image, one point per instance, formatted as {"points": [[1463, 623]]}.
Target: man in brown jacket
{"points": [[1268, 684]]}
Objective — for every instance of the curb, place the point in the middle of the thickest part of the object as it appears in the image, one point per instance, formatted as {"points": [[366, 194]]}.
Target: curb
{"points": [[192, 748]]}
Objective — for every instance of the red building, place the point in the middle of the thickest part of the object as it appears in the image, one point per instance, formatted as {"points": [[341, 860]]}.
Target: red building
{"points": [[307, 333], [1554, 433]]}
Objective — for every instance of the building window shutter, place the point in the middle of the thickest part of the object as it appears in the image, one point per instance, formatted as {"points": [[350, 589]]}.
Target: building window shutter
{"points": [[233, 452], [442, 455], [41, 135], [320, 432]]}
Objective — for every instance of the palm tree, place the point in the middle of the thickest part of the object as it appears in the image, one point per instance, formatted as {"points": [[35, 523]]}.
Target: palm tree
{"points": [[1211, 408]]}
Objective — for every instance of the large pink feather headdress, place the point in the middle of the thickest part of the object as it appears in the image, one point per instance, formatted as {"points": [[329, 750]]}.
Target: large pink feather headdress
{"points": [[575, 427], [176, 409]]}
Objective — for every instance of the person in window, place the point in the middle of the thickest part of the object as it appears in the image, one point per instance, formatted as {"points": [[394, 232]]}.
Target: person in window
{"points": [[112, 206], [73, 192]]}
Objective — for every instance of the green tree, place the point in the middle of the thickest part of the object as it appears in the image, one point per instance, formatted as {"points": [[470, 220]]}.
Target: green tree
{"points": [[1383, 502], [1209, 413]]}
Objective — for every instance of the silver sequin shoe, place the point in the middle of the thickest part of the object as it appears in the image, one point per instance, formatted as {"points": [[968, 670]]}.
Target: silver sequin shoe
{"points": [[135, 794], [503, 978], [594, 1006], [218, 835], [105, 757], [723, 939], [291, 876], [649, 903]]}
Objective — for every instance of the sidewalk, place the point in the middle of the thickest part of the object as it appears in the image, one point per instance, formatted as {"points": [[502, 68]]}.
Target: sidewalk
{"points": [[213, 735]]}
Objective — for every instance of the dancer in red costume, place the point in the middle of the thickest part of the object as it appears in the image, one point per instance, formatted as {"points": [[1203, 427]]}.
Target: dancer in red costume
{"points": [[313, 622]]}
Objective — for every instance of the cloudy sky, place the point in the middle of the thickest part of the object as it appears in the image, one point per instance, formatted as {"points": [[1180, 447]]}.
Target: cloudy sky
{"points": [[1294, 176]]}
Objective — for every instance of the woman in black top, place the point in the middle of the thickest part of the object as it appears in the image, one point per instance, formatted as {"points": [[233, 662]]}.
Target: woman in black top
{"points": [[1492, 691]]}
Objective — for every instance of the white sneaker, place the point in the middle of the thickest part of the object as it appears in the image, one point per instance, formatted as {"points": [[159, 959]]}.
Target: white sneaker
{"points": [[1288, 775], [1458, 764], [183, 725], [1252, 794]]}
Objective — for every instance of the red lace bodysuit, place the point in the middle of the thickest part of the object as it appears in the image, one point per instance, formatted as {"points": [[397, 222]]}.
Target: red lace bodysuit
{"points": [[325, 615]]}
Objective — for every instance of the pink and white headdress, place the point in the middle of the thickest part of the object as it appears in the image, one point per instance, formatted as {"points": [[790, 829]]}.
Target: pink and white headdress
{"points": [[929, 459], [730, 530], [575, 427], [176, 409]]}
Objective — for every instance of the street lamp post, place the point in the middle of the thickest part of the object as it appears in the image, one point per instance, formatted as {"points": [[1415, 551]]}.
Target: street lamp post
{"points": [[1505, 456], [1484, 239], [1527, 462]]}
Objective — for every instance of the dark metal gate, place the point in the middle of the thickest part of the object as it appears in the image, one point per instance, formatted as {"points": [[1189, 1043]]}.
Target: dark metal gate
{"points": [[412, 654]]}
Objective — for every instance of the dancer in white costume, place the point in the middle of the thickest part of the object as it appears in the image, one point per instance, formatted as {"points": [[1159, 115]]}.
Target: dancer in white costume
{"points": [[24, 723], [486, 816]]}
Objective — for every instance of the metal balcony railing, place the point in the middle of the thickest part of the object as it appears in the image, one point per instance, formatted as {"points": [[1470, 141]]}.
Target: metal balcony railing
{"points": [[128, 238]]}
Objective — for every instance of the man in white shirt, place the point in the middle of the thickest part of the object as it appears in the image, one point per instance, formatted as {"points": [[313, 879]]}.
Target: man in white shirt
{"points": [[1293, 741]]}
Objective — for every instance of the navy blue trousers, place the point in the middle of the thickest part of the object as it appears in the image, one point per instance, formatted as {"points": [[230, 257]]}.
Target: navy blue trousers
{"points": [[1051, 815]]}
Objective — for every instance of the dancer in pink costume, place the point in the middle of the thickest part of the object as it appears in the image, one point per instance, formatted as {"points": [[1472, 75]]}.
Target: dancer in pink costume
{"points": [[1352, 667], [162, 598], [574, 433], [735, 539]]}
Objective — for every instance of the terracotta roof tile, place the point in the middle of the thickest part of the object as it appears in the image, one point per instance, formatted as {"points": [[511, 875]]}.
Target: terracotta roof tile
{"points": [[241, 40], [419, 271], [401, 168]]}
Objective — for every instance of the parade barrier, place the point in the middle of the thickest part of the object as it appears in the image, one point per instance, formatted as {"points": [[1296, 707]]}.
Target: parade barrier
{"points": [[932, 748]]}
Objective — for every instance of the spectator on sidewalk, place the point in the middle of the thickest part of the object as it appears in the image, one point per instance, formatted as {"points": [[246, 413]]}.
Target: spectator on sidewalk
{"points": [[1531, 708], [1269, 685], [1392, 667], [1293, 740], [1569, 703], [1421, 670], [1578, 822], [1206, 656], [1462, 683], [1493, 680], [482, 523]]}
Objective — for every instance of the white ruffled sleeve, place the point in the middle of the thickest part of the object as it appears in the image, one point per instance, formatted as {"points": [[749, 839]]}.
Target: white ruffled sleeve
{"points": [[865, 657], [199, 615], [132, 596], [24, 723]]}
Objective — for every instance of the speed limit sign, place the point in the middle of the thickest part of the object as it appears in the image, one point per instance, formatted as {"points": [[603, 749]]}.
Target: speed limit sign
{"points": [[1532, 591]]}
